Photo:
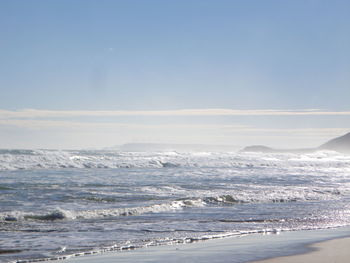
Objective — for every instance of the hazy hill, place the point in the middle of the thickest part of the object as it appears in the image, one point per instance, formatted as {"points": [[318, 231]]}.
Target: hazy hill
{"points": [[339, 144], [164, 147]]}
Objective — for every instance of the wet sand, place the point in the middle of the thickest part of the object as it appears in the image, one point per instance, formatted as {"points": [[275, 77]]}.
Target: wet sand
{"points": [[297, 246], [333, 251]]}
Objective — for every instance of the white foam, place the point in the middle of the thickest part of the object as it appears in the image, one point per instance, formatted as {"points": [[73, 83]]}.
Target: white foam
{"points": [[255, 194], [61, 214], [45, 159]]}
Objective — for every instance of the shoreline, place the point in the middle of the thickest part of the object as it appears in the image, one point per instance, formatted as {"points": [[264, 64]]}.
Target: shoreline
{"points": [[254, 248]]}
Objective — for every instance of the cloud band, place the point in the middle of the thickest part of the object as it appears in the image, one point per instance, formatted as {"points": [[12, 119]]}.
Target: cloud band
{"points": [[34, 113]]}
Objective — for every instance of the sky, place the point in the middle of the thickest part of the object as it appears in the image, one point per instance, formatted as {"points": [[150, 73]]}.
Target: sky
{"points": [[93, 74]]}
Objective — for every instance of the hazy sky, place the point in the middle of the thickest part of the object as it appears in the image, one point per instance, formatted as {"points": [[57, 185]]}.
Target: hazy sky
{"points": [[77, 74]]}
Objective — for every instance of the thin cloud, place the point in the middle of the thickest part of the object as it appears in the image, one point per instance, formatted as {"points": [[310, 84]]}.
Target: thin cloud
{"points": [[53, 124], [34, 113], [226, 128]]}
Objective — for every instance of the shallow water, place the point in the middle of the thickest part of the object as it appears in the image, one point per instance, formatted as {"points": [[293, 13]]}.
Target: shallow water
{"points": [[57, 203]]}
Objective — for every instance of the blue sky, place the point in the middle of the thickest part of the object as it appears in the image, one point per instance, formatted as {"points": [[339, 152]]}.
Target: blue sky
{"points": [[130, 55]]}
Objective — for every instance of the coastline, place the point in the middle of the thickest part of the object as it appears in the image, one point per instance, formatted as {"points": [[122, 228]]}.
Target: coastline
{"points": [[294, 246]]}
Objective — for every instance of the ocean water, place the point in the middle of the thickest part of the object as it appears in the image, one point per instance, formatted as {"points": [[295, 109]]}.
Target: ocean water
{"points": [[57, 204]]}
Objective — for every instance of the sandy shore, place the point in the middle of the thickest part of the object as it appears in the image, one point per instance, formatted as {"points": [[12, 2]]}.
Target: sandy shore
{"points": [[283, 248], [333, 251]]}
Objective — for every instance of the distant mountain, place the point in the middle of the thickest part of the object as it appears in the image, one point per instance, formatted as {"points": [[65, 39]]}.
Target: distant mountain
{"points": [[340, 144], [166, 147]]}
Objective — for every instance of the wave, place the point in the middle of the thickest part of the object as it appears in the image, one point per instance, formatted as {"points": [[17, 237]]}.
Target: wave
{"points": [[60, 214], [259, 196], [55, 159], [278, 195]]}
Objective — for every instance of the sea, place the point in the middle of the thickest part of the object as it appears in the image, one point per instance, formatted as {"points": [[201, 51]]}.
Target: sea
{"points": [[59, 204]]}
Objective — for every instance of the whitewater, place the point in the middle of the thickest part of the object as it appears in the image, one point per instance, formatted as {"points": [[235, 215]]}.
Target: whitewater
{"points": [[58, 204]]}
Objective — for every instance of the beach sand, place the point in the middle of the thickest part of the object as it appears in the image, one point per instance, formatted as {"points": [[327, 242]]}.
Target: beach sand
{"points": [[333, 251], [298, 246]]}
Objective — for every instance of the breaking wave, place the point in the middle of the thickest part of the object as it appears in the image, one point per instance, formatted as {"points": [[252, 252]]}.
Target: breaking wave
{"points": [[55, 159], [279, 196], [60, 214]]}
